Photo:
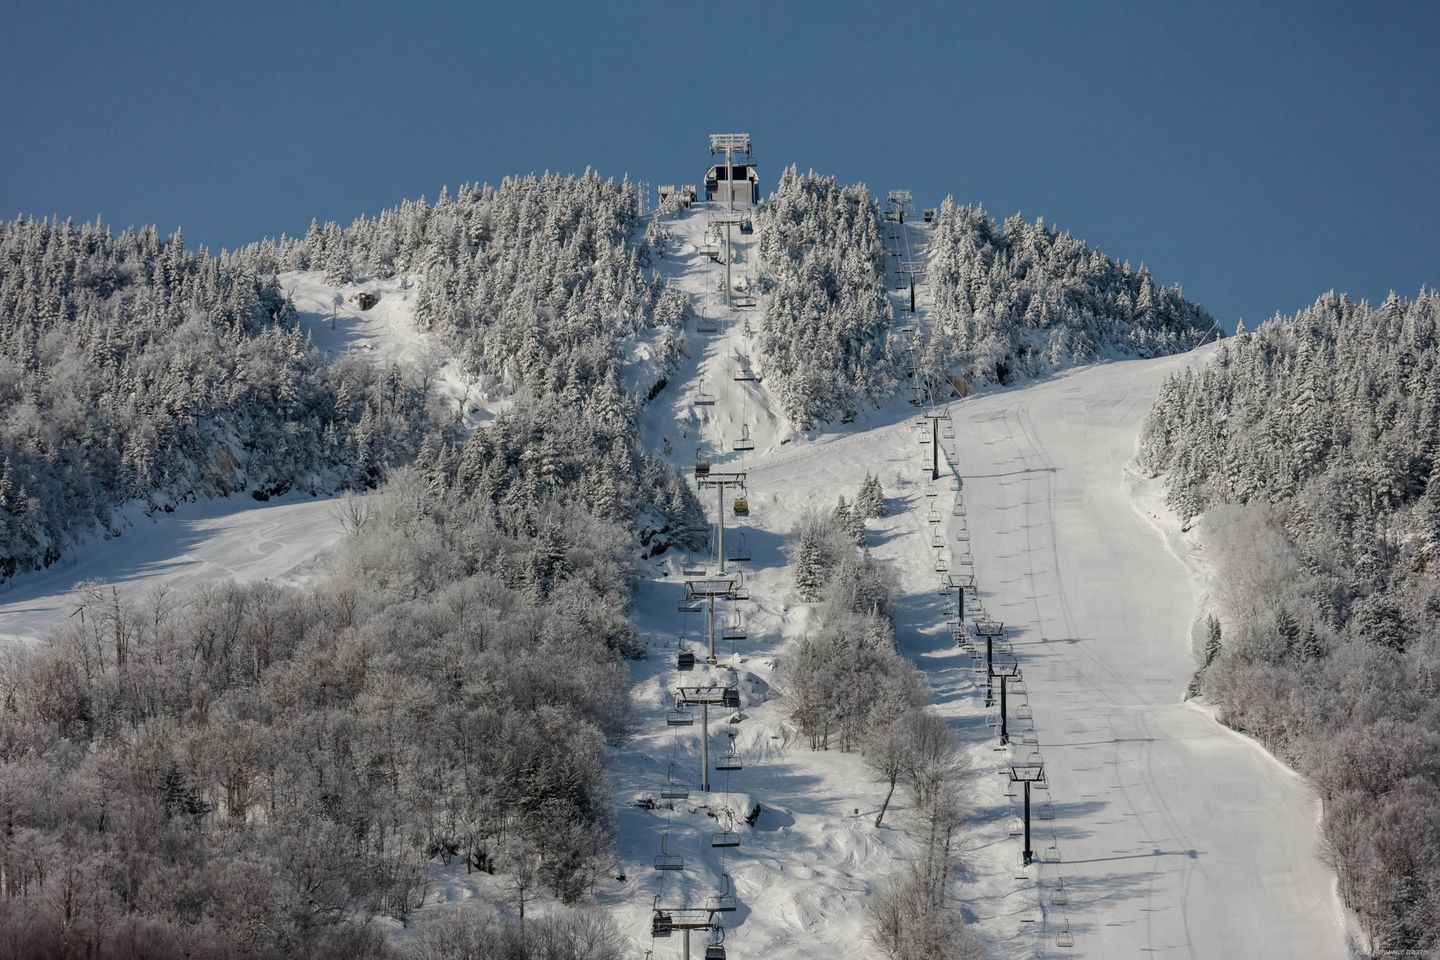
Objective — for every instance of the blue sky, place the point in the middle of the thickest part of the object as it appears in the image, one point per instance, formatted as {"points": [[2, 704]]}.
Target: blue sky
{"points": [[1257, 153]]}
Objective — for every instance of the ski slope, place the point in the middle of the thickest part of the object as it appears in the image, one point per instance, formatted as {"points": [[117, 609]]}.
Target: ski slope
{"points": [[1171, 836], [232, 538], [1175, 837]]}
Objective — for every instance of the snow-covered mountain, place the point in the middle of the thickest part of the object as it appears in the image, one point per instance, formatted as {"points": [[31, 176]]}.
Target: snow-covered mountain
{"points": [[456, 691]]}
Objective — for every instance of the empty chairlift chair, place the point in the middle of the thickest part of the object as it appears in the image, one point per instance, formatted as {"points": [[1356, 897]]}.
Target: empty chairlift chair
{"points": [[688, 605], [665, 860], [936, 540], [930, 490], [1065, 938], [724, 901], [674, 788], [744, 443], [733, 631], [948, 431], [934, 515], [725, 839], [743, 373], [679, 717], [704, 398], [739, 550], [942, 562], [706, 325], [959, 509], [693, 566], [731, 760]]}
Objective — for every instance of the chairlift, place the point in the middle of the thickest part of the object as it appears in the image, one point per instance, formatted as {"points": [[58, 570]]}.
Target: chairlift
{"points": [[702, 465], [693, 566], [688, 605], [724, 901], [716, 949], [944, 590], [679, 717], [747, 225], [706, 325], [948, 431], [731, 760], [742, 504], [955, 484], [930, 490], [1046, 811], [933, 516], [942, 563], [734, 631], [1060, 898], [730, 698], [665, 860], [663, 924], [967, 559], [674, 788], [1023, 712], [958, 510], [725, 839], [740, 551], [744, 443], [937, 540], [685, 660], [743, 373], [1052, 853], [963, 535], [704, 398], [925, 438], [1065, 938], [1017, 827]]}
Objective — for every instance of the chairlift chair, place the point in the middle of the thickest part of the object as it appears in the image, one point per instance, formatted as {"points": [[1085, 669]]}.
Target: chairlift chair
{"points": [[731, 759], [740, 551], [942, 563], [679, 717], [693, 566], [1046, 811], [734, 631], [747, 225], [742, 504], [703, 398], [1052, 853], [688, 606], [1065, 938], [662, 924], [706, 325], [685, 660], [730, 698], [930, 490], [948, 431], [963, 534], [743, 373], [936, 540], [925, 438], [1060, 898], [702, 465], [725, 839], [744, 443], [674, 788], [716, 949], [724, 901], [1017, 827], [665, 860], [955, 484], [933, 516], [958, 510], [967, 559]]}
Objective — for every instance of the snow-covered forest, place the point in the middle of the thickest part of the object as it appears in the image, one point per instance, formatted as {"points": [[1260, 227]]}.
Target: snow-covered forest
{"points": [[1019, 300], [1309, 449], [823, 345], [134, 368]]}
